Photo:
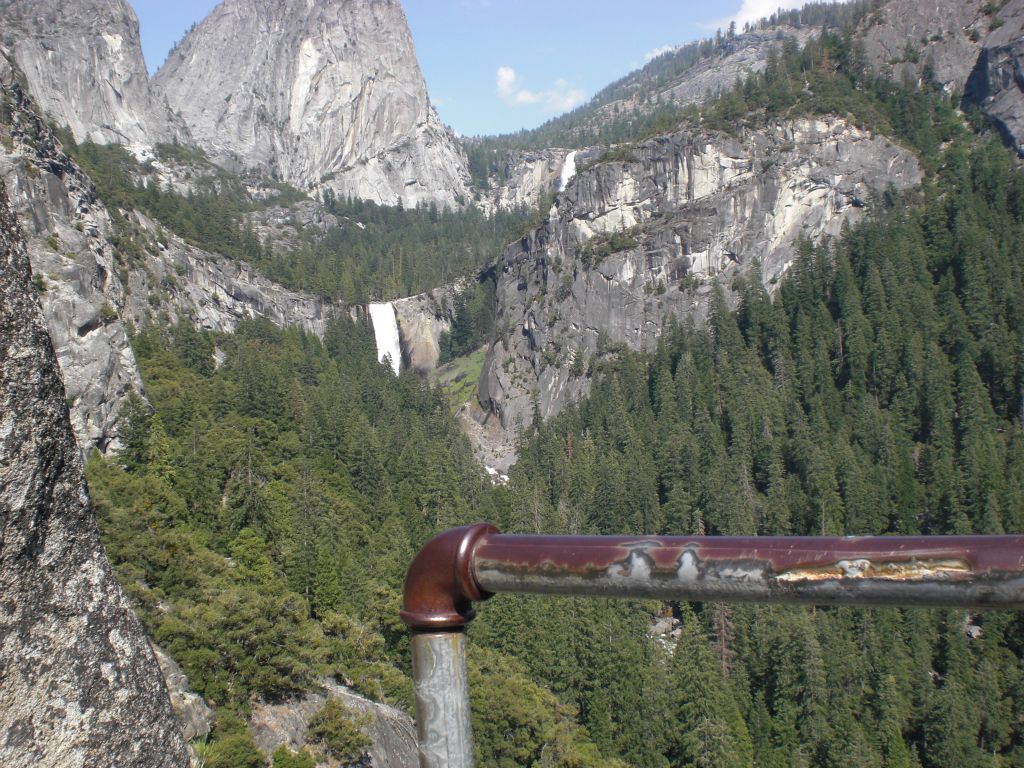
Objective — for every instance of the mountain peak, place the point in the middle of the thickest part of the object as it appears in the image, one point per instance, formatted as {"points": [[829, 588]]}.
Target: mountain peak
{"points": [[318, 94]]}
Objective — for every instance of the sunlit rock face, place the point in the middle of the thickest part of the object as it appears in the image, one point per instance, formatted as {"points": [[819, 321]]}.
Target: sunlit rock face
{"points": [[321, 94], [966, 47], [285, 722], [83, 64], [88, 292], [531, 175], [421, 321], [904, 38], [66, 228], [79, 686], [633, 242]]}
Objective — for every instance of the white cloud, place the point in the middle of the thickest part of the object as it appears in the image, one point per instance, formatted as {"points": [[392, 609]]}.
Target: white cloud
{"points": [[656, 52], [559, 98]]}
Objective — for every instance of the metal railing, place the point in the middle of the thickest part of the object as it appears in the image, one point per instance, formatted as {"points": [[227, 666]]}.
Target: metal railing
{"points": [[464, 565]]}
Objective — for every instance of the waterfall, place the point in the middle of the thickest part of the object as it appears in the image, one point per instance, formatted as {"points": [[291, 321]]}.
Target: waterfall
{"points": [[568, 170], [385, 331]]}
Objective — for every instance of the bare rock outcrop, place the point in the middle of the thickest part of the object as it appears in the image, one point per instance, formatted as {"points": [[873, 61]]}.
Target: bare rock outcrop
{"points": [[83, 63], [66, 230], [89, 290], [392, 731], [905, 39], [996, 84], [212, 292], [194, 716], [325, 94], [634, 241], [421, 321], [79, 686]]}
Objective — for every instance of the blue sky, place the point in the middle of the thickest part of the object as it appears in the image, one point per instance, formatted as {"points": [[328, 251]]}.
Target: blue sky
{"points": [[494, 66]]}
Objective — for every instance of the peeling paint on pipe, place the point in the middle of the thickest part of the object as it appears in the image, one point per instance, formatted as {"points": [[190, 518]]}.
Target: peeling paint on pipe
{"points": [[463, 565], [955, 571]]}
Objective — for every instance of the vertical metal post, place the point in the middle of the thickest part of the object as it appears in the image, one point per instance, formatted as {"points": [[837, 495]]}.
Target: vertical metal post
{"points": [[442, 699]]}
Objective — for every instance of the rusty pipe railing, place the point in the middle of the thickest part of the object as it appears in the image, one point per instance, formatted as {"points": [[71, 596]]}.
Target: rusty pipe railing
{"points": [[464, 565]]}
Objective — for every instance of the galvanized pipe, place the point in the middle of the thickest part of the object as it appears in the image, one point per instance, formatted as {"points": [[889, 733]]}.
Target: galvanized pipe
{"points": [[442, 699], [467, 564]]}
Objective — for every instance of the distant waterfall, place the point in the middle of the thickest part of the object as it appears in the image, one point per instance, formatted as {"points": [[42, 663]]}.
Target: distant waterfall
{"points": [[385, 331], [568, 170]]}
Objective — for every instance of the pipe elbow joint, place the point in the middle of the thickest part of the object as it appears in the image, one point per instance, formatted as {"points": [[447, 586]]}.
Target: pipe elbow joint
{"points": [[440, 585]]}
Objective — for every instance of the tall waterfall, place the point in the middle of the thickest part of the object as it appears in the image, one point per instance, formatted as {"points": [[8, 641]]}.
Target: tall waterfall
{"points": [[385, 331], [568, 170]]}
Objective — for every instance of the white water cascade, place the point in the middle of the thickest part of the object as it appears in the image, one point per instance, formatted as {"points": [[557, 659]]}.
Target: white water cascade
{"points": [[385, 331], [568, 170]]}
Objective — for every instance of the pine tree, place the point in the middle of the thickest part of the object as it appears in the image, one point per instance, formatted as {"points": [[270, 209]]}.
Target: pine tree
{"points": [[708, 731]]}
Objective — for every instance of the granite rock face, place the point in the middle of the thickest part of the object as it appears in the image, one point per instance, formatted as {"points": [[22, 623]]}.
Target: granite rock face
{"points": [[79, 685], [83, 64], [320, 94], [904, 38], [88, 292], [66, 229], [529, 177], [212, 292], [996, 84], [633, 242], [967, 47], [421, 321], [194, 716], [392, 731], [736, 58]]}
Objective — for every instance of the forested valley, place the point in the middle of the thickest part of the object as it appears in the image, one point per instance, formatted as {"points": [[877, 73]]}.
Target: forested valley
{"points": [[263, 515], [373, 252]]}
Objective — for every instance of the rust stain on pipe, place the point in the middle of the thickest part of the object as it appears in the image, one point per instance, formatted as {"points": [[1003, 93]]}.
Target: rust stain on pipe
{"points": [[588, 555], [855, 570], [973, 571], [860, 568], [466, 564]]}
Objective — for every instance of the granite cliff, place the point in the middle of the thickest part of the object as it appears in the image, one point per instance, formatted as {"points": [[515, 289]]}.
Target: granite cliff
{"points": [[318, 94], [646, 235], [83, 64], [971, 49], [996, 83], [392, 731], [88, 286], [76, 666]]}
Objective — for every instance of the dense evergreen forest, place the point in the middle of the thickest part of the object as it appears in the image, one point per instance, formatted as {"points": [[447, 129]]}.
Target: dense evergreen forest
{"points": [[374, 253], [880, 392], [262, 520], [262, 516]]}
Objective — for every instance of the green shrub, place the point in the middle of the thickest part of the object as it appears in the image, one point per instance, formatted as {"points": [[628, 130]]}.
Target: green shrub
{"points": [[338, 731], [236, 750], [285, 758]]}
